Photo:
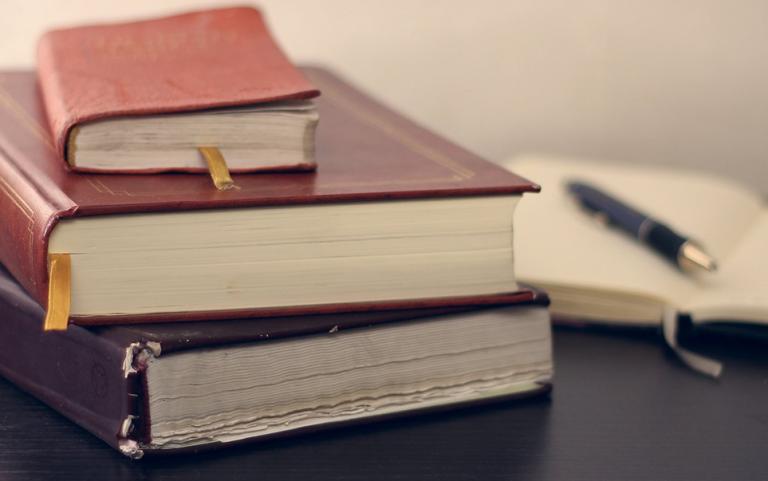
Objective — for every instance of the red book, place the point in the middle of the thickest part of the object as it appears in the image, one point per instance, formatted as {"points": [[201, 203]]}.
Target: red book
{"points": [[104, 86], [395, 216]]}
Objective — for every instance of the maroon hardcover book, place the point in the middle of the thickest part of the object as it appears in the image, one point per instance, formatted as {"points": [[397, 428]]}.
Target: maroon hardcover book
{"points": [[367, 153], [97, 376]]}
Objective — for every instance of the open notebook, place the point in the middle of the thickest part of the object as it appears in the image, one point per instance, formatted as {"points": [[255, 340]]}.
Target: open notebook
{"points": [[600, 274]]}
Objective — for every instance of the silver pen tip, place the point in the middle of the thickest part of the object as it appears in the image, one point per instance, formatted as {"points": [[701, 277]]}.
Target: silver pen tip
{"points": [[692, 256]]}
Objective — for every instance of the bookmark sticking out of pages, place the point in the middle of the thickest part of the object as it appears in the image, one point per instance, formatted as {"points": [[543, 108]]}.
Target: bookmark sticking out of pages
{"points": [[704, 365], [59, 292], [217, 167]]}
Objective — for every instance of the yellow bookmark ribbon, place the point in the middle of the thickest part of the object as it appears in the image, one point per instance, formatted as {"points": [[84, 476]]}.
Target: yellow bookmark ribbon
{"points": [[59, 292], [217, 167]]}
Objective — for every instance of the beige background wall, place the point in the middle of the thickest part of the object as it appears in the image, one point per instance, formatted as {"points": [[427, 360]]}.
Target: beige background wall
{"points": [[665, 81]]}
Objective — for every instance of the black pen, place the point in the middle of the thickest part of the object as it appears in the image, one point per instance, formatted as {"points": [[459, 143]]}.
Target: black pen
{"points": [[680, 250]]}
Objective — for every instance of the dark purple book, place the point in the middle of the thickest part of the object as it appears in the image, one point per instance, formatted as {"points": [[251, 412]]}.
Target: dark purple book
{"points": [[185, 386]]}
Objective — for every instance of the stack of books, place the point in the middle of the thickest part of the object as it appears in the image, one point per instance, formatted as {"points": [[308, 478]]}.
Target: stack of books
{"points": [[193, 316]]}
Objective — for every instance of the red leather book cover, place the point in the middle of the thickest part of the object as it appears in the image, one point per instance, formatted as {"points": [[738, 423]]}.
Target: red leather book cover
{"points": [[96, 376], [194, 61], [366, 151]]}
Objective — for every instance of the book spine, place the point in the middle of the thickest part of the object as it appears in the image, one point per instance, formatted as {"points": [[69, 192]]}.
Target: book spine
{"points": [[30, 200], [27, 218], [89, 379]]}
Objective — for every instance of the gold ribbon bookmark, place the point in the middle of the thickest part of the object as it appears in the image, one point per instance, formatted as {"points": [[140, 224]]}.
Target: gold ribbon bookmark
{"points": [[217, 167], [59, 292]]}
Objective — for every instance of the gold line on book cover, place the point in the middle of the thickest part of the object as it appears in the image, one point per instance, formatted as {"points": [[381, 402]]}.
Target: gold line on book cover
{"points": [[23, 208], [103, 188], [16, 198], [7, 101], [393, 132], [40, 131]]}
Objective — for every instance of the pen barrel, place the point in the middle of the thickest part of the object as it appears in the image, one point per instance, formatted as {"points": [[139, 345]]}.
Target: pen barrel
{"points": [[608, 209], [664, 241]]}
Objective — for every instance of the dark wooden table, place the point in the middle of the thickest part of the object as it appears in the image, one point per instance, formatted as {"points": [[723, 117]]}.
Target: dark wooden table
{"points": [[622, 409]]}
